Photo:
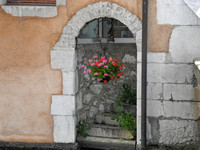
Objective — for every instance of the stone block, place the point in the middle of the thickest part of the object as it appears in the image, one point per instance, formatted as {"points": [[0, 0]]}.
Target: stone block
{"points": [[60, 2], [108, 131], [2, 2], [66, 41], [153, 57], [139, 57], [156, 57], [178, 92], [64, 129], [175, 12], [178, 131], [194, 5], [154, 91], [40, 11], [129, 59], [96, 88], [184, 110], [70, 82], [184, 44], [63, 59], [63, 105], [169, 73], [139, 80], [197, 93], [104, 118], [139, 107]]}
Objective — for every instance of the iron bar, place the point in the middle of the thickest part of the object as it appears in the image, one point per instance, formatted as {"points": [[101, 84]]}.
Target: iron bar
{"points": [[144, 76]]}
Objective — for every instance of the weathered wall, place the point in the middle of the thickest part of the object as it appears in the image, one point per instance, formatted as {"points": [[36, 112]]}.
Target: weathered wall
{"points": [[26, 80], [94, 98], [172, 109]]}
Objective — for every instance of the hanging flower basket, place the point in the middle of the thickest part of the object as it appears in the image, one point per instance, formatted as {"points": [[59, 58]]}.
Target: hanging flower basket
{"points": [[103, 69]]}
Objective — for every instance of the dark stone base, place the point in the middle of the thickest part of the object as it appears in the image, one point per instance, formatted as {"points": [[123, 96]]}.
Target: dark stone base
{"points": [[104, 146], [174, 147], [37, 146]]}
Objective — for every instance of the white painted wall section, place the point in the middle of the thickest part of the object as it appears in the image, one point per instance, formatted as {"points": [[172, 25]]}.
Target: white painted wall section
{"points": [[194, 5], [175, 12]]}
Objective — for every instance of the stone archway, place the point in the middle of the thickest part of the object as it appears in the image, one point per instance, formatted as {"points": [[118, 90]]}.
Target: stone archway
{"points": [[63, 56]]}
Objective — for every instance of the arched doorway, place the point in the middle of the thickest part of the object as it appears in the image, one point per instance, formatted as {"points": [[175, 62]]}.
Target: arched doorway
{"points": [[64, 57]]}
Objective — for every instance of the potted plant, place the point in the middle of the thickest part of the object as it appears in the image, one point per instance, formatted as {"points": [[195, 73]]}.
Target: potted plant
{"points": [[103, 69]]}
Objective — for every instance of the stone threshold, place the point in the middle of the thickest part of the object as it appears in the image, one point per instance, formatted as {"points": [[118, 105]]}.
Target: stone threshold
{"points": [[101, 143], [37, 146]]}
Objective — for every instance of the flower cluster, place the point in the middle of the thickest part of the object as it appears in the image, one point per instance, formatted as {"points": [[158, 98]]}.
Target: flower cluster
{"points": [[103, 69]]}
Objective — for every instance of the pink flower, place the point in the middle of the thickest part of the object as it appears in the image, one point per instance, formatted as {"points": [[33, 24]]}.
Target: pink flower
{"points": [[90, 60], [95, 56], [105, 61], [110, 58], [99, 79], [83, 66], [106, 66], [89, 70], [102, 58], [84, 72], [105, 74], [96, 73], [92, 64], [100, 64]]}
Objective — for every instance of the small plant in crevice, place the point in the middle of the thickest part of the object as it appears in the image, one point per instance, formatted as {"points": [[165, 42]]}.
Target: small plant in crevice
{"points": [[82, 127], [124, 119], [128, 94], [171, 99]]}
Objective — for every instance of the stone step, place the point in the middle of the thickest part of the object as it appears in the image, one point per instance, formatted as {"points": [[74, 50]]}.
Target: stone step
{"points": [[132, 109], [106, 143], [98, 130], [105, 119]]}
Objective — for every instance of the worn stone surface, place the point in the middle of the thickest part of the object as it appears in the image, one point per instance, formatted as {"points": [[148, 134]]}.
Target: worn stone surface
{"points": [[40, 11], [178, 13], [37, 146], [186, 48], [197, 93], [108, 132], [155, 91], [197, 71], [64, 129], [63, 59], [178, 92], [99, 97], [170, 73], [194, 5], [178, 131], [184, 110], [63, 105]]}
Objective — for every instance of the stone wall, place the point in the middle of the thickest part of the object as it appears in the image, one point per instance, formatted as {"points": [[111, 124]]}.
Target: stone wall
{"points": [[94, 97], [172, 109]]}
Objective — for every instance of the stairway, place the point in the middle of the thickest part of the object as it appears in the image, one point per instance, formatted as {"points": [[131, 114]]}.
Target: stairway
{"points": [[106, 135]]}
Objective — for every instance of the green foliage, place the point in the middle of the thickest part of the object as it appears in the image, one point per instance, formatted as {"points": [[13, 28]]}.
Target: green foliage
{"points": [[124, 119], [128, 94], [82, 127]]}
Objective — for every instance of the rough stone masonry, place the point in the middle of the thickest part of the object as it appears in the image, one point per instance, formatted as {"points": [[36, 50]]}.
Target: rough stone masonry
{"points": [[94, 97]]}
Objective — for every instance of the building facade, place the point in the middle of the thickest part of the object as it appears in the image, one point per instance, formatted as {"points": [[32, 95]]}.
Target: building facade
{"points": [[39, 77]]}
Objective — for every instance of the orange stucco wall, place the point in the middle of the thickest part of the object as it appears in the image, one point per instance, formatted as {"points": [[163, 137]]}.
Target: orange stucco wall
{"points": [[27, 81]]}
